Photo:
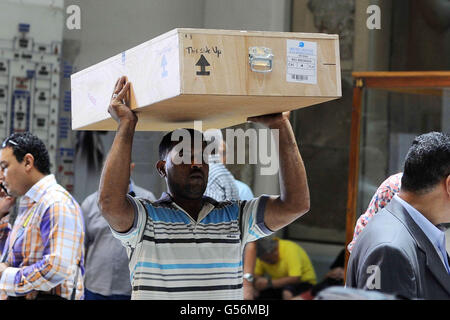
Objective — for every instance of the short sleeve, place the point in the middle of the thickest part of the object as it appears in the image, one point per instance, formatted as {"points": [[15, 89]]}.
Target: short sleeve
{"points": [[252, 219], [132, 237]]}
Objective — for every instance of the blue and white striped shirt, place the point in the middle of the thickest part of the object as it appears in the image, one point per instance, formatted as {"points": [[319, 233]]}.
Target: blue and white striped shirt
{"points": [[172, 256]]}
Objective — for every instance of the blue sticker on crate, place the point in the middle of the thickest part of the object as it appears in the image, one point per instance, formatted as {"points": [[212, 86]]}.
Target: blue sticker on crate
{"points": [[164, 72]]}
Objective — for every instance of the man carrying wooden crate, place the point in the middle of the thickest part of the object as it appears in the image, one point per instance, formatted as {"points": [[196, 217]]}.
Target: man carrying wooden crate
{"points": [[185, 245]]}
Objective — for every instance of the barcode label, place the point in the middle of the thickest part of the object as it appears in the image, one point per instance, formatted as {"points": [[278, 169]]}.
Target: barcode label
{"points": [[301, 61], [299, 77]]}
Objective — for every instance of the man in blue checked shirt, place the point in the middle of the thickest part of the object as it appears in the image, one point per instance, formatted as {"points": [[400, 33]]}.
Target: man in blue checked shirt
{"points": [[43, 255], [186, 245]]}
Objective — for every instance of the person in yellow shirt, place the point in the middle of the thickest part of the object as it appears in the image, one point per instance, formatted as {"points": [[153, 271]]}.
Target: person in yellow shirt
{"points": [[283, 269]]}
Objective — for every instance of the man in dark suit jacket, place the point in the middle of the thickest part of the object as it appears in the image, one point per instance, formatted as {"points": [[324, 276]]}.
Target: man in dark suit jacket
{"points": [[402, 250]]}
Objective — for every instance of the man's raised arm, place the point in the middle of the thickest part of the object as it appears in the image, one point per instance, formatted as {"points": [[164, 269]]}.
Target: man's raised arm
{"points": [[115, 178], [293, 201]]}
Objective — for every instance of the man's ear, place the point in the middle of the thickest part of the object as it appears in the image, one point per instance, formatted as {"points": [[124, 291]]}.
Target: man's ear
{"points": [[447, 185], [28, 161], [161, 168]]}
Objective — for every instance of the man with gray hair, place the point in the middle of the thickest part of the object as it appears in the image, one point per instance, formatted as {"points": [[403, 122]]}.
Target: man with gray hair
{"points": [[283, 269]]}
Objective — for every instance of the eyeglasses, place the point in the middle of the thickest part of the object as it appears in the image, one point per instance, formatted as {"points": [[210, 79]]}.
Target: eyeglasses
{"points": [[5, 143]]}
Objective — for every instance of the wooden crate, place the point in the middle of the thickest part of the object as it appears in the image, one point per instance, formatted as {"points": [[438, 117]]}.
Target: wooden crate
{"points": [[198, 74]]}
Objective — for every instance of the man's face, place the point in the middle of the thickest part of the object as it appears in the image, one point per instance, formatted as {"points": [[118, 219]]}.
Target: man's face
{"points": [[187, 180], [12, 173], [271, 257]]}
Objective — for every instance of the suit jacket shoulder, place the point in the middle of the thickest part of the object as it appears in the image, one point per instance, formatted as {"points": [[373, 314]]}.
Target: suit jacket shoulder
{"points": [[393, 245], [383, 258]]}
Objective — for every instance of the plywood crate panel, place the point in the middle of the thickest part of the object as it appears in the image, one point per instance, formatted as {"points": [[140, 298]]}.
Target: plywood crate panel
{"points": [[200, 74]]}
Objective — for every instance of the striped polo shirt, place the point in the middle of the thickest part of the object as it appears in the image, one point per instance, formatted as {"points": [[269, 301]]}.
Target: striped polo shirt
{"points": [[172, 256]]}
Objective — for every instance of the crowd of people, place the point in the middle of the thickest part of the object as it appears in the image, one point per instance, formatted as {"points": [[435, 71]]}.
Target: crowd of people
{"points": [[208, 237]]}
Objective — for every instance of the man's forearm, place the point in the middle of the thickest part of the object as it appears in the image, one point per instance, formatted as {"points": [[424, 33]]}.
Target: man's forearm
{"points": [[294, 192], [43, 275], [115, 178], [293, 183], [282, 282], [262, 283], [250, 257]]}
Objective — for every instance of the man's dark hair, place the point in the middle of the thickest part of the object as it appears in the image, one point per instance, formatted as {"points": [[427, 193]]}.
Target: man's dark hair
{"points": [[23, 143], [265, 246], [166, 144], [427, 162]]}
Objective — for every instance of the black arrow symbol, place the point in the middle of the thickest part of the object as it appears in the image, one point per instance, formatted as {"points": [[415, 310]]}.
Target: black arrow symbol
{"points": [[202, 63]]}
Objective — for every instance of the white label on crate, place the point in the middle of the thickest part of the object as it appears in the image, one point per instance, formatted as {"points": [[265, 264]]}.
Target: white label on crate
{"points": [[301, 61]]}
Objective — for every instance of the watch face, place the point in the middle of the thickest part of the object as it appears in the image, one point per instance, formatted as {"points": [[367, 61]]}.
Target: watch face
{"points": [[248, 277]]}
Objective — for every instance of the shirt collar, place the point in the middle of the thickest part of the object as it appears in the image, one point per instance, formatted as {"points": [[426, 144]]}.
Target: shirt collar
{"points": [[433, 233], [39, 188], [208, 205], [167, 198]]}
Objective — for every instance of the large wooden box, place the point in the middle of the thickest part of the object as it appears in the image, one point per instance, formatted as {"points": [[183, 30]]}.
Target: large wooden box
{"points": [[197, 74]]}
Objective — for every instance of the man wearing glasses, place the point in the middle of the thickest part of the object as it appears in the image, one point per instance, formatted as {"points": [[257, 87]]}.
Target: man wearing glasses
{"points": [[42, 254]]}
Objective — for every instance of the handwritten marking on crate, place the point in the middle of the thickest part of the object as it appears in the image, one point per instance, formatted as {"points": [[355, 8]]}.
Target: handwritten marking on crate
{"points": [[204, 50]]}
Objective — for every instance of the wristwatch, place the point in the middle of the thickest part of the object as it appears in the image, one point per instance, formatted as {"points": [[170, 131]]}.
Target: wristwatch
{"points": [[248, 277]]}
